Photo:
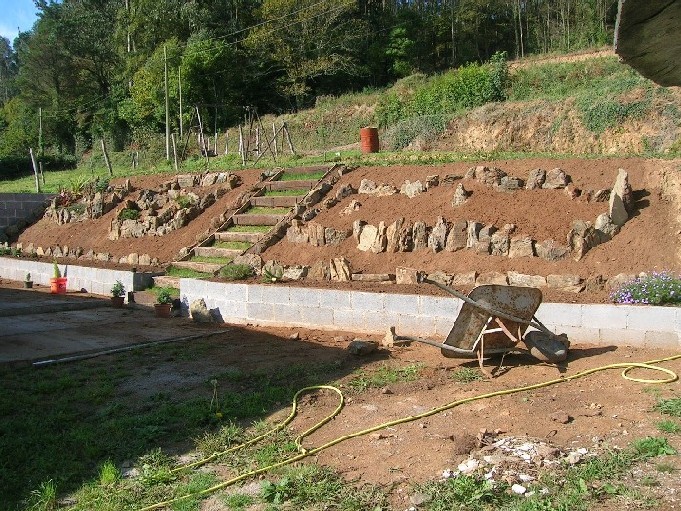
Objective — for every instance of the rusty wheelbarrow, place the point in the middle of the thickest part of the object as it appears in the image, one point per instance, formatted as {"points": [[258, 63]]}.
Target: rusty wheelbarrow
{"points": [[493, 320]]}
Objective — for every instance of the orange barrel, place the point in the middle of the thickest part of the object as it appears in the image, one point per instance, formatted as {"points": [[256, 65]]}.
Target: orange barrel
{"points": [[368, 140]]}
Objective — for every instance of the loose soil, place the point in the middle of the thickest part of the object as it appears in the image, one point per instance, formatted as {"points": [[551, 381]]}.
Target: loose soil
{"points": [[648, 241]]}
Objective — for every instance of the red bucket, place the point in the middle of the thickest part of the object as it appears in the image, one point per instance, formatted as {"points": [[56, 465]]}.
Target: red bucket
{"points": [[369, 140], [58, 286]]}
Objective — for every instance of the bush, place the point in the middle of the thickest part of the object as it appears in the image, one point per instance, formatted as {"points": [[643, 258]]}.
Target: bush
{"points": [[653, 289], [236, 271], [128, 214], [426, 127]]}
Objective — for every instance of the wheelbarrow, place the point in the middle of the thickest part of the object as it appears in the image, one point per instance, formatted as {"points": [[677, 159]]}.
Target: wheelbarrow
{"points": [[493, 320]]}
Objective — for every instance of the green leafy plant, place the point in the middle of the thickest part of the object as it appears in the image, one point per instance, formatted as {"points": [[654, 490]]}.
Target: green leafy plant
{"points": [[183, 201], [27, 278], [272, 274], [236, 271], [466, 375], [383, 376], [44, 498], [164, 296], [55, 270], [669, 426], [109, 474], [651, 447], [670, 407], [118, 289], [128, 214]]}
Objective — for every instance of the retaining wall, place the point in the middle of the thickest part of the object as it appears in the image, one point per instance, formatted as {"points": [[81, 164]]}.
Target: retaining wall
{"points": [[422, 315], [15, 207], [79, 278]]}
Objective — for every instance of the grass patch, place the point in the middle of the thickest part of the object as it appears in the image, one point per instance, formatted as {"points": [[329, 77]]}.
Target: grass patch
{"points": [[233, 245], [466, 375], [671, 407], [385, 375], [669, 426], [236, 271], [262, 210], [186, 273], [174, 292], [249, 228], [302, 176], [285, 193], [213, 260]]}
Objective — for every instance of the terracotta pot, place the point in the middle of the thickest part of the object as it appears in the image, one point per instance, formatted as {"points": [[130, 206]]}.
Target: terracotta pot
{"points": [[162, 309], [28, 284], [117, 301], [58, 286]]}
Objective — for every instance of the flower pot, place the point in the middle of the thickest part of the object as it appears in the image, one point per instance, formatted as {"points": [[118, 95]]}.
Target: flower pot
{"points": [[58, 285], [117, 301], [162, 309], [28, 284]]}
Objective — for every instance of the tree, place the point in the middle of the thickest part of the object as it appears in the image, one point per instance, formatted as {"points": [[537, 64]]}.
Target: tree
{"points": [[8, 70]]}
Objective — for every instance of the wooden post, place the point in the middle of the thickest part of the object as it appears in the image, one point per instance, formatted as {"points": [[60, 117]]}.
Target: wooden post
{"points": [[106, 158], [257, 140], [274, 141], [179, 86], [288, 139], [35, 170], [165, 81], [226, 141], [42, 175], [242, 151], [172, 138]]}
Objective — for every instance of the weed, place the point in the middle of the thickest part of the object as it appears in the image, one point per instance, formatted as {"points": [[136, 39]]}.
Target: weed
{"points": [[670, 407], [109, 474], [187, 273], [44, 498], [228, 435], [165, 291], [384, 376], [238, 501], [236, 271], [665, 468], [669, 426], [184, 201], [249, 228], [463, 492], [466, 375], [128, 214], [197, 482], [651, 447], [656, 289], [233, 245]]}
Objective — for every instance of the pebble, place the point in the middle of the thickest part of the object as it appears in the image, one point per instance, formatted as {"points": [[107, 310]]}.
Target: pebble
{"points": [[519, 489]]}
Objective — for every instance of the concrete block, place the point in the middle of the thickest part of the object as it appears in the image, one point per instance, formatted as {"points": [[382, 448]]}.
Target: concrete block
{"points": [[418, 326], [667, 340], [579, 335], [304, 297], [288, 314], [442, 328], [650, 317], [335, 299], [317, 317], [560, 314], [256, 294], [260, 312], [604, 316], [440, 306], [276, 295], [621, 337], [348, 319], [231, 312], [193, 287], [401, 304], [366, 302]]}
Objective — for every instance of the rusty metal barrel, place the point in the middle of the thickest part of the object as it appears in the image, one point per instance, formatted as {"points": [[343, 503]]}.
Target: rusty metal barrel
{"points": [[369, 140]]}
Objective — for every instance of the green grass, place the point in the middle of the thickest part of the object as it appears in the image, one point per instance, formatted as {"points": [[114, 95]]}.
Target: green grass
{"points": [[233, 245], [669, 426], [236, 271], [385, 375], [671, 407], [214, 260], [466, 375], [249, 228], [302, 176], [285, 193], [261, 210], [186, 273]]}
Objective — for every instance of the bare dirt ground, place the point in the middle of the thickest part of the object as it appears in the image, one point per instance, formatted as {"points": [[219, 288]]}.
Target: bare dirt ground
{"points": [[648, 242]]}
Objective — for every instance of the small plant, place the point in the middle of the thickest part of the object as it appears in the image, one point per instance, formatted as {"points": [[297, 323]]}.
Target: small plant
{"points": [[118, 289], [183, 201], [466, 375], [655, 289], [109, 474], [128, 214], [650, 447], [164, 296], [669, 426], [44, 498], [27, 278], [670, 407], [236, 271], [272, 274], [56, 273]]}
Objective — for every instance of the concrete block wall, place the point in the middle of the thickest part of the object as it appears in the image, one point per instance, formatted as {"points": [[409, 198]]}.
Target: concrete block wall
{"points": [[79, 278], [21, 206], [423, 316]]}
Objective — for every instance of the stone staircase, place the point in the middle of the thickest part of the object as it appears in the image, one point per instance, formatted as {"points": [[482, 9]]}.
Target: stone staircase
{"points": [[252, 222]]}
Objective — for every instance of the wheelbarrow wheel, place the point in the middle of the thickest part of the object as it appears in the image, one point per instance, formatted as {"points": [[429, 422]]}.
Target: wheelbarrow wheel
{"points": [[545, 347]]}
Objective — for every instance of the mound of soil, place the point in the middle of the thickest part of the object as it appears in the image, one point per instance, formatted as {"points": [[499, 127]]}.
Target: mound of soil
{"points": [[647, 242]]}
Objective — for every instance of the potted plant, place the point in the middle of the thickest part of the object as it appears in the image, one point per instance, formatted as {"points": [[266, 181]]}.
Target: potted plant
{"points": [[57, 282], [164, 303], [28, 283], [117, 294]]}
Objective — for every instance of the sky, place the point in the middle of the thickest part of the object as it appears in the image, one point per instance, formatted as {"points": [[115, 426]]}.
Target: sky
{"points": [[16, 13]]}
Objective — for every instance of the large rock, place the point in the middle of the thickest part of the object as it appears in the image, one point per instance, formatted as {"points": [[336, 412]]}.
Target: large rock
{"points": [[252, 260], [393, 235], [473, 231], [535, 179], [297, 232], [460, 196], [319, 271], [568, 283], [340, 270], [523, 280], [367, 237], [367, 186], [199, 312], [405, 275], [345, 191], [296, 272], [457, 237], [605, 228], [315, 233], [555, 179], [440, 277], [438, 236], [550, 250], [334, 236], [580, 238], [492, 277], [510, 184], [621, 201], [411, 190], [522, 246], [464, 279], [419, 235], [490, 176]]}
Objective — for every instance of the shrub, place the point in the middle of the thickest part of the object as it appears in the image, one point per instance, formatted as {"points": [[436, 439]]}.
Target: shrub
{"points": [[128, 214], [164, 296], [183, 201], [236, 271], [654, 289]]}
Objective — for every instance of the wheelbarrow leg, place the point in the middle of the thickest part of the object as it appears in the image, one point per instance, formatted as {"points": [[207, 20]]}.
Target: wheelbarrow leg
{"points": [[481, 357]]}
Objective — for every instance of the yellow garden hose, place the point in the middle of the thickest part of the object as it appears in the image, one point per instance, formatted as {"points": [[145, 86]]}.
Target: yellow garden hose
{"points": [[672, 376]]}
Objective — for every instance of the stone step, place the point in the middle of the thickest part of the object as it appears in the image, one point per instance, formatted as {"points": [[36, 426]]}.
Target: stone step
{"points": [[247, 219], [248, 237], [281, 201], [202, 267], [307, 170], [290, 185], [216, 252], [166, 281], [373, 277]]}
